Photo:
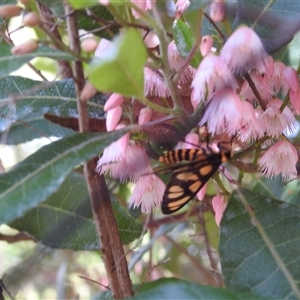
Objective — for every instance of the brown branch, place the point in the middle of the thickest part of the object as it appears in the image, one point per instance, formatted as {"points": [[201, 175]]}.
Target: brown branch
{"points": [[49, 23], [110, 243], [19, 237]]}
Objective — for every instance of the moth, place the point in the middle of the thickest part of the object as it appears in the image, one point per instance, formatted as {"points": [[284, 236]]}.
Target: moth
{"points": [[189, 177]]}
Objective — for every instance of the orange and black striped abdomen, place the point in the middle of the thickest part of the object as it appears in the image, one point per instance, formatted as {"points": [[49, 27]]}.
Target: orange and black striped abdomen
{"points": [[187, 179]]}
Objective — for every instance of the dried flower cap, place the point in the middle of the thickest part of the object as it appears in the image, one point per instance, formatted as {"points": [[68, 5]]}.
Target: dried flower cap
{"points": [[10, 10], [27, 47], [31, 19]]}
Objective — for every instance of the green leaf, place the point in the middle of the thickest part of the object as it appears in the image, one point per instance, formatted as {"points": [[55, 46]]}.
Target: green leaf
{"points": [[82, 4], [185, 41], [120, 69], [87, 23], [65, 219], [11, 62], [38, 176], [31, 127], [260, 255], [173, 288], [276, 27], [19, 107]]}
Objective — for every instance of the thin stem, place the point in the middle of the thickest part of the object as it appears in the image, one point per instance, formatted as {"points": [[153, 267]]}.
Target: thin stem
{"points": [[255, 91]]}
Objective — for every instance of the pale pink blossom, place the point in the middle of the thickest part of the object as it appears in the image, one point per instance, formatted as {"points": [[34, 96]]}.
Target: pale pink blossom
{"points": [[244, 51], [181, 6], [104, 2], [145, 115], [295, 100], [280, 158], [176, 62], [113, 117], [206, 45], [148, 193], [278, 81], [154, 84], [217, 10], [130, 164], [291, 77], [274, 121], [103, 48], [115, 151], [261, 83], [113, 101], [224, 113], [143, 5], [211, 76], [151, 40], [219, 206], [251, 128]]}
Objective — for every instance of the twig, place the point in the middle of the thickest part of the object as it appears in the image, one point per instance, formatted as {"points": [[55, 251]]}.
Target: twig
{"points": [[94, 281]]}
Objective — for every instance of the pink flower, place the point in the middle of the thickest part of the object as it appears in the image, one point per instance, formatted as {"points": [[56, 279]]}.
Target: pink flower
{"points": [[280, 158], [217, 10], [115, 151], [176, 62], [278, 80], [113, 101], [295, 101], [244, 51], [224, 113], [104, 2], [291, 77], [143, 5], [262, 85], [211, 76], [154, 84], [131, 163], [206, 45], [151, 40], [191, 141], [181, 6], [274, 121], [251, 128], [103, 48], [219, 207], [147, 193]]}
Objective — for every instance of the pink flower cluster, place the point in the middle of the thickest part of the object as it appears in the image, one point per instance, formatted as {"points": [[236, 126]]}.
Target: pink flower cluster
{"points": [[239, 86]]}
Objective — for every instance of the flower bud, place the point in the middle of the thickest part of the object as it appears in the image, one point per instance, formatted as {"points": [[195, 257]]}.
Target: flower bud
{"points": [[10, 10], [27, 47], [87, 92], [145, 115], [113, 118], [31, 19], [113, 101], [206, 45], [89, 45]]}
